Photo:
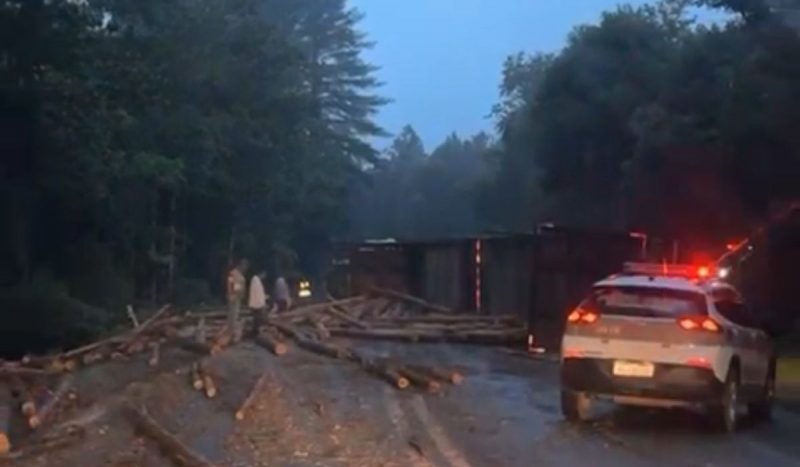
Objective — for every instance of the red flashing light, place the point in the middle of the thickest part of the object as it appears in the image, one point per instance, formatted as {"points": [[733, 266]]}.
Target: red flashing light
{"points": [[698, 362], [703, 272]]}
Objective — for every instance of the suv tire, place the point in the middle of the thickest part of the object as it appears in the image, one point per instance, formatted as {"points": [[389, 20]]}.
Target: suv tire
{"points": [[726, 412], [762, 409], [575, 406]]}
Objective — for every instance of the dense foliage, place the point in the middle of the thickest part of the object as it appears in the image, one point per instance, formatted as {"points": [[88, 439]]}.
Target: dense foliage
{"points": [[649, 119], [147, 143]]}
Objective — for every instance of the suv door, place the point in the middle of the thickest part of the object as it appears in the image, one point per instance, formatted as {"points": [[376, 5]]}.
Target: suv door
{"points": [[748, 340]]}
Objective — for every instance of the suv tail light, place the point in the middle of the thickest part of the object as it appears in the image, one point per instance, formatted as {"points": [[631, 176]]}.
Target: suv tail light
{"points": [[582, 316], [699, 323]]}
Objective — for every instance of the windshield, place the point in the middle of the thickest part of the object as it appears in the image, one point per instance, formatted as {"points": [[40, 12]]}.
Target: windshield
{"points": [[646, 301]]}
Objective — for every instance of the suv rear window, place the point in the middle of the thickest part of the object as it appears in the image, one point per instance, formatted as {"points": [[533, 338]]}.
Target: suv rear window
{"points": [[646, 302]]}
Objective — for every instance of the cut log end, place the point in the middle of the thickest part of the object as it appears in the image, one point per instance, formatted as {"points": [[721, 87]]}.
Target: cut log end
{"points": [[456, 378], [402, 383], [34, 422], [28, 408], [281, 348], [239, 415], [5, 444]]}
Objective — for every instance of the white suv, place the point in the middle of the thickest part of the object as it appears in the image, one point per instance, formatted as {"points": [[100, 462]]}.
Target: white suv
{"points": [[667, 336]]}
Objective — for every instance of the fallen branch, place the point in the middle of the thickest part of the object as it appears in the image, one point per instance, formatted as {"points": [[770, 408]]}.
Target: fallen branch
{"points": [[178, 452], [250, 400]]}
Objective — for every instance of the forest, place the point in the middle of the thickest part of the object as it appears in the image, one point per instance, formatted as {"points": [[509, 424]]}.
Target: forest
{"points": [[147, 144]]}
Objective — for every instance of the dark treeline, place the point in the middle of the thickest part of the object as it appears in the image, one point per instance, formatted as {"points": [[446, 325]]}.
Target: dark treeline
{"points": [[146, 143], [647, 120]]}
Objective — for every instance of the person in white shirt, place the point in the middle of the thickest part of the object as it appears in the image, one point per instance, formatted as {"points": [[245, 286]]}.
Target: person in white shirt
{"points": [[257, 300]]}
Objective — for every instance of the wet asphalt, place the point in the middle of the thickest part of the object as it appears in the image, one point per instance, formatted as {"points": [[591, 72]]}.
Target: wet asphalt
{"points": [[508, 414]]}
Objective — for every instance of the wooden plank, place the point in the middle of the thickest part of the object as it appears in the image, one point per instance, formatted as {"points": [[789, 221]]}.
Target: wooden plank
{"points": [[247, 405]]}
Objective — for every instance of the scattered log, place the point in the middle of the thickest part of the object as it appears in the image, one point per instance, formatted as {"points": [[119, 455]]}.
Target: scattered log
{"points": [[258, 387], [329, 350], [207, 376], [395, 334], [132, 315], [197, 379], [448, 376], [473, 336], [5, 417], [447, 319], [168, 442], [200, 332], [322, 331], [411, 299], [70, 435], [90, 358], [49, 408], [192, 346], [155, 356], [344, 316], [27, 403], [420, 380], [14, 370], [304, 312], [223, 339], [270, 343], [382, 369]]}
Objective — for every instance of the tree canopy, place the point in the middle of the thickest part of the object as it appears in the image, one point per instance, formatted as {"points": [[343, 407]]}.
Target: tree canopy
{"points": [[146, 144]]}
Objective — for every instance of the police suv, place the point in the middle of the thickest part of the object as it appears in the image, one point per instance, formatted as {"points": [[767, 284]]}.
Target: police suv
{"points": [[667, 336]]}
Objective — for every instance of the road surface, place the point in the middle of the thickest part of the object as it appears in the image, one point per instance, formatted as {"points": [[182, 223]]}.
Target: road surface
{"points": [[317, 411]]}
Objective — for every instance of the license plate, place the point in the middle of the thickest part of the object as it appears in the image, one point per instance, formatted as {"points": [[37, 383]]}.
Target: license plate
{"points": [[634, 369]]}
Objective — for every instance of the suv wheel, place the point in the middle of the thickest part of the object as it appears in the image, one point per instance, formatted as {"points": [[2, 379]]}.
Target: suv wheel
{"points": [[762, 409], [727, 412], [575, 405]]}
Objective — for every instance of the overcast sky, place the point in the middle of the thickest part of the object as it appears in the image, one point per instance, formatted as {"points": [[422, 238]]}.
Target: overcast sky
{"points": [[441, 59]]}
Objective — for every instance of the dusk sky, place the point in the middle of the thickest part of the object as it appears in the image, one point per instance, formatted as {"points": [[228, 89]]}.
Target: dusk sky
{"points": [[441, 60]]}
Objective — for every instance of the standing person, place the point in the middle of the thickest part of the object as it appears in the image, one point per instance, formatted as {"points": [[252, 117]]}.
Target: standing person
{"points": [[235, 294], [283, 298], [257, 300]]}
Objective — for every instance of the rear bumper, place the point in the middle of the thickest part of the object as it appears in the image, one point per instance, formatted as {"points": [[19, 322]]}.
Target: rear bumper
{"points": [[670, 382]]}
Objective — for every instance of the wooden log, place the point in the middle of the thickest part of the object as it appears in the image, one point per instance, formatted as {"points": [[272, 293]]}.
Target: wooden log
{"points": [[66, 437], [6, 403], [90, 358], [13, 370], [322, 330], [168, 442], [155, 356], [273, 345], [207, 375], [445, 319], [448, 376], [396, 334], [326, 349], [411, 299], [304, 312], [420, 380], [49, 408], [192, 346], [380, 368], [258, 387], [344, 316], [197, 378], [27, 403]]}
